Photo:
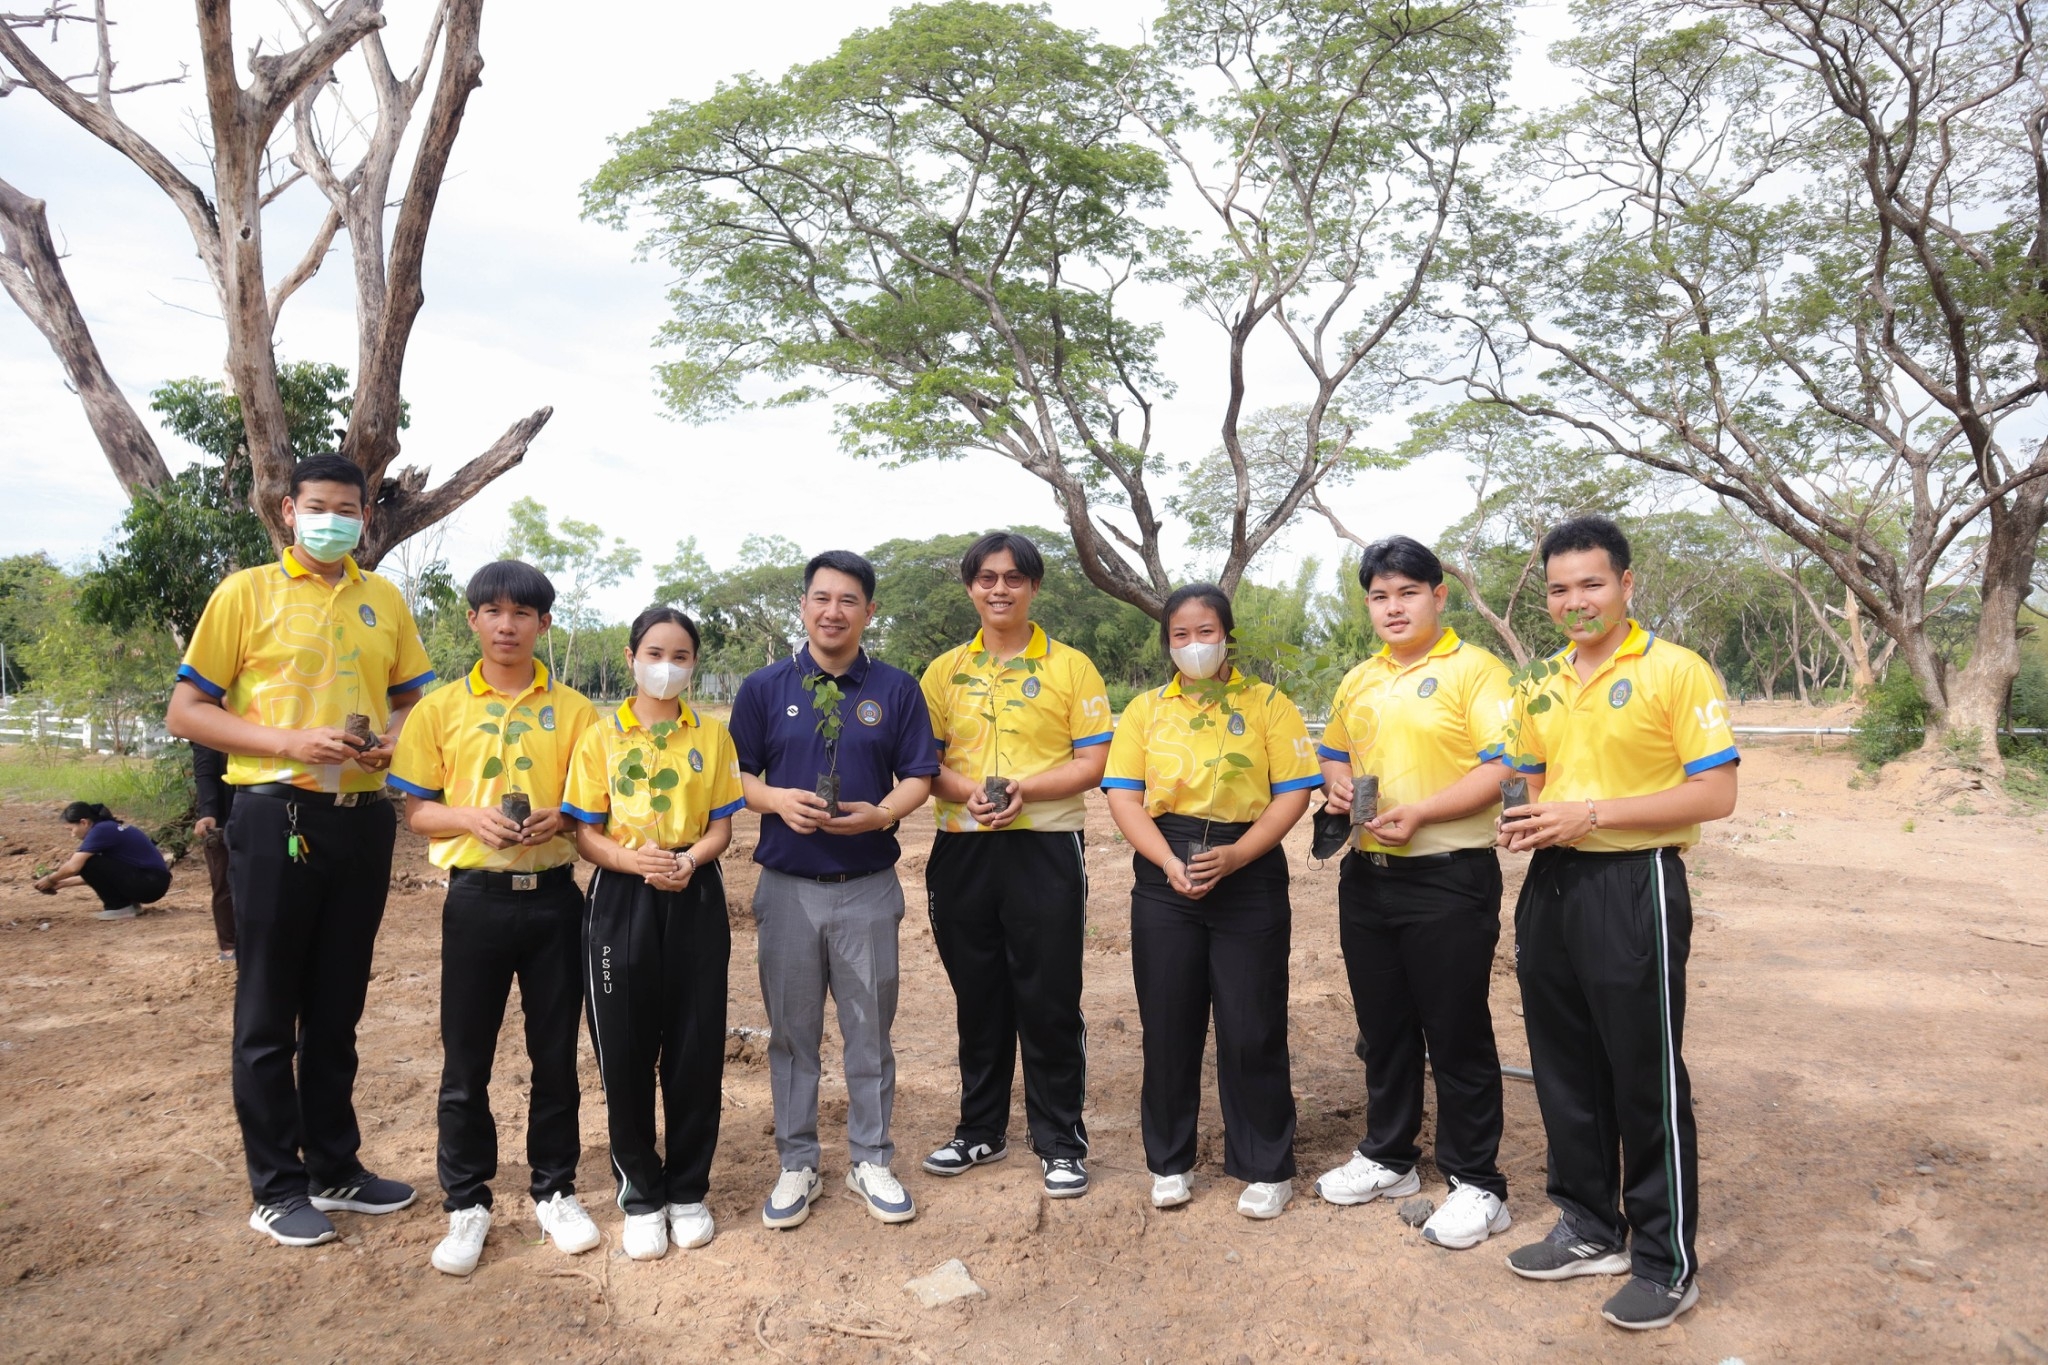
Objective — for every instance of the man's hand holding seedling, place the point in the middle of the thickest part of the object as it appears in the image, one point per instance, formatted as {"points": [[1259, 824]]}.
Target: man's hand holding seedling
{"points": [[993, 816]]}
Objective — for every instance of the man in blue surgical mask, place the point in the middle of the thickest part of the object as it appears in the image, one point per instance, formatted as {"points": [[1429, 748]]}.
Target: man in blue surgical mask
{"points": [[303, 672]]}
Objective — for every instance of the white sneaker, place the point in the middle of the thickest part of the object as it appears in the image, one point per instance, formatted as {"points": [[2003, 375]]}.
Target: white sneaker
{"points": [[1468, 1217], [1265, 1198], [463, 1247], [646, 1236], [789, 1203], [883, 1193], [690, 1225], [562, 1218], [1170, 1191], [1362, 1180]]}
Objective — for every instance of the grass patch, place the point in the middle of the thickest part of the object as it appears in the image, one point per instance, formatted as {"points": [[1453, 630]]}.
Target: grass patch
{"points": [[155, 793], [2026, 775]]}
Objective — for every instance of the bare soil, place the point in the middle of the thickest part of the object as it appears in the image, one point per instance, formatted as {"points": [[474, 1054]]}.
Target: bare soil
{"points": [[1868, 1038]]}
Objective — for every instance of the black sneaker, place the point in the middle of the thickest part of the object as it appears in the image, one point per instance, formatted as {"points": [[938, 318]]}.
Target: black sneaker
{"points": [[365, 1194], [1564, 1254], [1645, 1305], [294, 1223], [1065, 1177], [960, 1155]]}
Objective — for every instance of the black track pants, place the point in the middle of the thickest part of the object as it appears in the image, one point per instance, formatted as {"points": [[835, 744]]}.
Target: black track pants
{"points": [[1226, 951], [1008, 910], [120, 884], [1601, 942], [304, 936], [654, 967], [1418, 941], [489, 936]]}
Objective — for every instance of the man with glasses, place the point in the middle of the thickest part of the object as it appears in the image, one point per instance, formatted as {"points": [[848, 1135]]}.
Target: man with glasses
{"points": [[1023, 727]]}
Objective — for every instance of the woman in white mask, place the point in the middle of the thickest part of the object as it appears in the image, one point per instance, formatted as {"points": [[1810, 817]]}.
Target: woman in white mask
{"points": [[654, 787], [1206, 775]]}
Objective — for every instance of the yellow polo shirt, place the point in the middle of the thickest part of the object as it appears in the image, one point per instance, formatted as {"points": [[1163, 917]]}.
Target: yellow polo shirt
{"points": [[1015, 719], [468, 745], [1650, 717], [1189, 758], [654, 788], [279, 647], [1421, 728]]}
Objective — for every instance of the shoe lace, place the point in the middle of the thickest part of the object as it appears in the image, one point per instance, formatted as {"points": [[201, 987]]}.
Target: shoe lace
{"points": [[464, 1222], [879, 1181], [790, 1185]]}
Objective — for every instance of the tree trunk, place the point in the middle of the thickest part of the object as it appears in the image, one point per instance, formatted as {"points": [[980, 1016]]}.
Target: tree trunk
{"points": [[1976, 694], [33, 275], [1863, 676]]}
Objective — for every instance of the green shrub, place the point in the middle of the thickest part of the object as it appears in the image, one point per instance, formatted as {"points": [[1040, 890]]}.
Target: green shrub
{"points": [[1894, 715], [1120, 695]]}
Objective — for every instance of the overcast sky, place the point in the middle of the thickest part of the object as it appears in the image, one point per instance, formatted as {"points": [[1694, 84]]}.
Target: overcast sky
{"points": [[526, 305]]}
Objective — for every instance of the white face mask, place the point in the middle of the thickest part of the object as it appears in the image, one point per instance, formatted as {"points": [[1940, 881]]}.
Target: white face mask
{"points": [[1200, 660], [661, 681]]}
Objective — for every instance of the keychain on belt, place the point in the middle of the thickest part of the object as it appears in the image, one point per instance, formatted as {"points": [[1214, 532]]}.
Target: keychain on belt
{"points": [[295, 846]]}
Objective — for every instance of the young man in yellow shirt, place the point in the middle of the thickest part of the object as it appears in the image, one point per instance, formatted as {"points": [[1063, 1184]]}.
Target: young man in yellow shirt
{"points": [[513, 908], [1628, 748], [282, 658], [1418, 900], [1008, 879]]}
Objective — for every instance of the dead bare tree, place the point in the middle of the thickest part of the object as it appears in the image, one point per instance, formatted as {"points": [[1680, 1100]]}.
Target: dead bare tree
{"points": [[281, 100]]}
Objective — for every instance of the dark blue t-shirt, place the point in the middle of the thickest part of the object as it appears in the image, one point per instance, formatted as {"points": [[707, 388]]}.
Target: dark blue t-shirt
{"points": [[886, 735], [124, 844]]}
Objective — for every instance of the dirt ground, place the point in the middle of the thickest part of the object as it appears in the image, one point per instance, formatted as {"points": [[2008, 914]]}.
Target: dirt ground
{"points": [[1868, 1039]]}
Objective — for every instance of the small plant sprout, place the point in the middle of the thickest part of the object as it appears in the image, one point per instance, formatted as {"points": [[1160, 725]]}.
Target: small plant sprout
{"points": [[509, 724], [985, 688], [1227, 766], [632, 773], [355, 724], [825, 699]]}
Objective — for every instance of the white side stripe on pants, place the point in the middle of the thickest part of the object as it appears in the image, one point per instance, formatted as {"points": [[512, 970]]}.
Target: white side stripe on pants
{"points": [[1673, 1162]]}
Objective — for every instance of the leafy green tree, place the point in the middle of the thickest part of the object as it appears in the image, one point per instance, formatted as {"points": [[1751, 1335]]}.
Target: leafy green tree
{"points": [[750, 616], [1792, 251], [177, 541], [87, 668], [575, 556], [32, 593]]}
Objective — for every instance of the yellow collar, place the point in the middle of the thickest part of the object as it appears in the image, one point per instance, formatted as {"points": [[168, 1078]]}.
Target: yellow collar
{"points": [[289, 562], [626, 720], [541, 681], [1447, 643], [1035, 650], [1172, 689], [1635, 644]]}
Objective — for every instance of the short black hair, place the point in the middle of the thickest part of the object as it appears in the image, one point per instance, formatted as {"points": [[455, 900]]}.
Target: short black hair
{"points": [[511, 580], [661, 616], [1195, 592], [85, 810], [1030, 563], [1587, 533], [846, 562], [1399, 555], [330, 469]]}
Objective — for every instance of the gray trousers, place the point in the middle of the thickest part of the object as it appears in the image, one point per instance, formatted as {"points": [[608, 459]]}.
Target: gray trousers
{"points": [[841, 937]]}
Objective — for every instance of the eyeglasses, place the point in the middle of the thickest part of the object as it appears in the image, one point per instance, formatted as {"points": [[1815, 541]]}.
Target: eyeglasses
{"points": [[988, 581]]}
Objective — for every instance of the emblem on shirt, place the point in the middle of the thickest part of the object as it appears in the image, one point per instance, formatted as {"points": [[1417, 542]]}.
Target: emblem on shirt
{"points": [[547, 717], [1031, 687], [696, 761], [870, 712], [1618, 695], [369, 617], [1428, 688], [790, 712], [1237, 723]]}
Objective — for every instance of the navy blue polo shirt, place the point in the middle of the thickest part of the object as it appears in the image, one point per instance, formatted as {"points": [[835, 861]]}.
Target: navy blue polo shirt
{"points": [[124, 844], [886, 736]]}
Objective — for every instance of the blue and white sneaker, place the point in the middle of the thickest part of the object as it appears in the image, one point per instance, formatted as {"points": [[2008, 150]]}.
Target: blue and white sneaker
{"points": [[294, 1223], [365, 1194], [789, 1203], [886, 1198]]}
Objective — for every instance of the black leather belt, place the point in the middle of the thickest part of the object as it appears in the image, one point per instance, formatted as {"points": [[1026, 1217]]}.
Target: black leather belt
{"points": [[285, 791], [513, 881], [1422, 859], [833, 878]]}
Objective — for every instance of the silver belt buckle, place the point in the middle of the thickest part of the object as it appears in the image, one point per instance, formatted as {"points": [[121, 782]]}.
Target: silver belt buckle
{"points": [[526, 881], [347, 798], [1377, 859]]}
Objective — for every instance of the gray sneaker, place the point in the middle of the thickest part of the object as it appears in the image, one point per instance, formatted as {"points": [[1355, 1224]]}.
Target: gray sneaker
{"points": [[1645, 1305], [1564, 1254], [118, 912]]}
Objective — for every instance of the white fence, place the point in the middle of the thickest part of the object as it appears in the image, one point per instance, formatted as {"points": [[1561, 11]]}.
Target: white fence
{"points": [[40, 722]]}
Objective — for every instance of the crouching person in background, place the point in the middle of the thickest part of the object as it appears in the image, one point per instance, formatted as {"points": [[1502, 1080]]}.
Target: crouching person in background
{"points": [[482, 764]]}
